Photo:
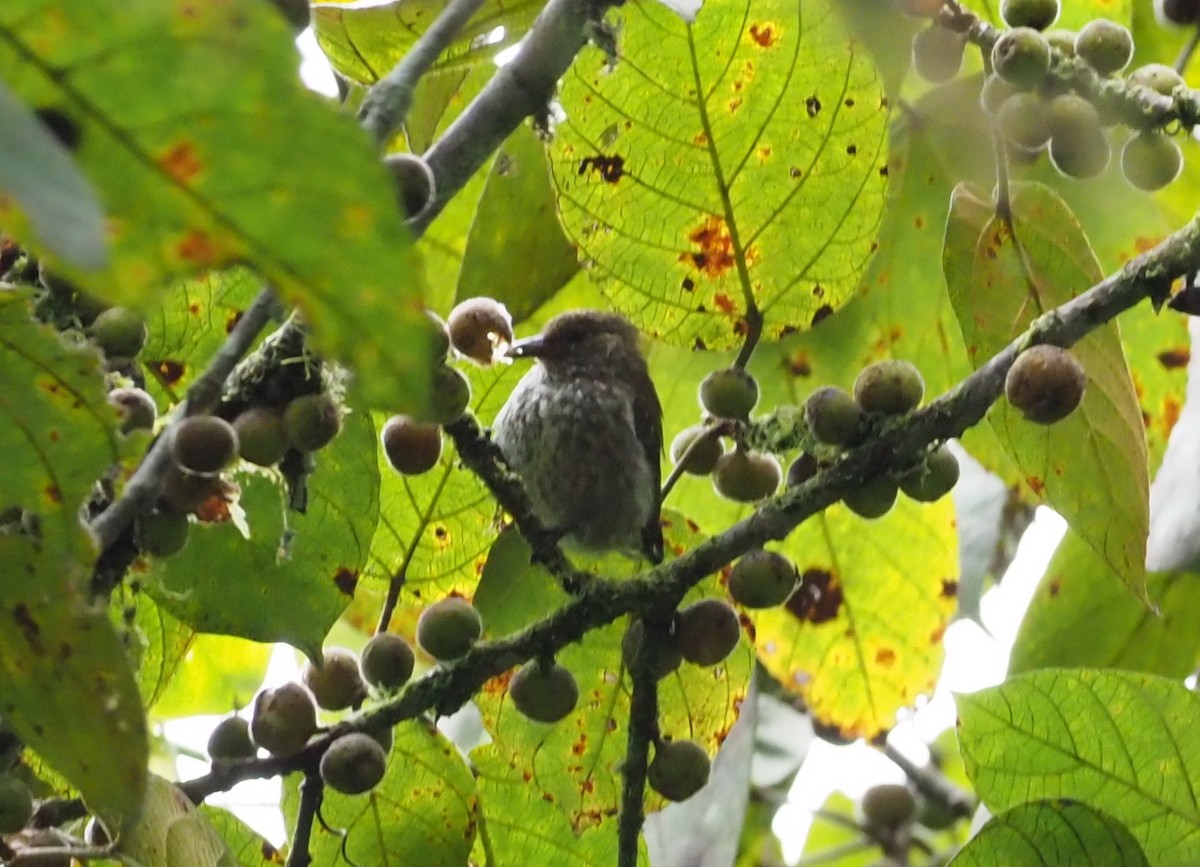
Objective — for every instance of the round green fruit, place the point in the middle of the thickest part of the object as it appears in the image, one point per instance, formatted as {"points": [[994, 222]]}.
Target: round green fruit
{"points": [[994, 93], [353, 764], [312, 421], [1062, 41], [730, 393], [230, 740], [1157, 77], [136, 407], [283, 719], [1021, 56], [118, 331], [936, 477], [833, 416], [204, 444], [262, 435], [678, 770], [667, 657], [1151, 160], [707, 631], [449, 396], [337, 684], [387, 661], [162, 532], [891, 387], [1104, 45], [439, 337], [480, 328], [703, 458], [447, 629], [1022, 121], [873, 499], [762, 579], [1045, 384], [16, 804], [414, 180], [746, 477], [543, 693], [1080, 157], [888, 805], [412, 447], [937, 53], [1038, 14]]}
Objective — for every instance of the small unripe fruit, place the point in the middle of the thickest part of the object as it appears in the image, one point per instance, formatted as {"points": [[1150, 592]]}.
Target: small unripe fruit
{"points": [[16, 804], [415, 184], [802, 469], [1022, 121], [746, 477], [888, 805], [543, 693], [283, 719], [937, 53], [163, 532], [872, 500], [1021, 56], [387, 661], [118, 331], [231, 740], [1080, 157], [136, 407], [678, 770], [312, 421], [1038, 14], [994, 93], [667, 656], [353, 764], [337, 684], [936, 477], [704, 457], [480, 328], [186, 492], [1070, 116], [730, 393], [1062, 40], [707, 631], [439, 338], [447, 629], [412, 447], [204, 444], [762, 579], [833, 416], [1157, 77], [450, 395], [1178, 12], [1104, 45], [891, 387], [1045, 384], [1151, 160], [262, 435]]}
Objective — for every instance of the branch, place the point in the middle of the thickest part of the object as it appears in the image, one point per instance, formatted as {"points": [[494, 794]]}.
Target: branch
{"points": [[312, 791], [643, 728]]}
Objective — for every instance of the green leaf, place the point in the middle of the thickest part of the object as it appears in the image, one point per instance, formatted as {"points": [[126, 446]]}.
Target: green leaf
{"points": [[1092, 466], [243, 842], [219, 674], [159, 645], [1051, 833], [1122, 743], [177, 137], [1081, 617], [745, 161], [174, 833], [424, 811]]}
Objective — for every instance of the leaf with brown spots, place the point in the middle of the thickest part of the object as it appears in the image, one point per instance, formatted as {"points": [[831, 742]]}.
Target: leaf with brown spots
{"points": [[749, 150]]}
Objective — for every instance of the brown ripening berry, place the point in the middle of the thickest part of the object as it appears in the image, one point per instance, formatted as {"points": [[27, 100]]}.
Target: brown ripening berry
{"points": [[707, 631], [1045, 384], [283, 719], [204, 444], [412, 447], [337, 684], [353, 764], [544, 693], [447, 629], [480, 329], [678, 770]]}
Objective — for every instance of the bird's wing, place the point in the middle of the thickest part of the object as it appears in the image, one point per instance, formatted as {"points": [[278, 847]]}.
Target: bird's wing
{"points": [[647, 424]]}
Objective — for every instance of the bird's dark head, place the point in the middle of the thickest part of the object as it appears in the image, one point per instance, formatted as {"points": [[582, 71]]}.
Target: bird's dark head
{"points": [[581, 338]]}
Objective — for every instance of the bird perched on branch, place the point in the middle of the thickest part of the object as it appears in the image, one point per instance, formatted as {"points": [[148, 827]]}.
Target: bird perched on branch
{"points": [[583, 429]]}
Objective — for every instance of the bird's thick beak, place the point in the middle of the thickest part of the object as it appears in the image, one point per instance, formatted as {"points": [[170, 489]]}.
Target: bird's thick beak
{"points": [[527, 347]]}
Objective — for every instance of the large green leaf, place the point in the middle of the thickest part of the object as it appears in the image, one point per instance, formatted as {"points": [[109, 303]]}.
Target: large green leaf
{"points": [[1051, 833], [1092, 466], [174, 833], [206, 149], [737, 157], [1122, 743]]}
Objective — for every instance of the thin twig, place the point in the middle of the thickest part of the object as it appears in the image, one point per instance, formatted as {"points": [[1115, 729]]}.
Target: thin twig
{"points": [[1185, 54], [722, 427], [312, 791], [643, 728]]}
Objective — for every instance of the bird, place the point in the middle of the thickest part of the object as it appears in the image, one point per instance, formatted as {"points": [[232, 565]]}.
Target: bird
{"points": [[583, 430]]}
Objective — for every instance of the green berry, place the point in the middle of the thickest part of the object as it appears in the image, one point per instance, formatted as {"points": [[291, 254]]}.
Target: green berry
{"points": [[449, 397], [891, 387], [1021, 56], [163, 532], [543, 693], [889, 806], [872, 500], [16, 804], [1038, 14], [412, 447], [833, 416], [1151, 160], [353, 764], [936, 477], [415, 184], [1104, 45], [204, 444], [1022, 121], [1070, 117], [1062, 41], [283, 719], [762, 579], [447, 629], [480, 328], [1157, 77], [1182, 13], [678, 770], [1045, 384], [262, 435], [231, 740], [937, 53], [667, 657], [439, 337], [746, 477], [730, 393], [312, 421], [136, 407], [707, 631], [387, 661], [994, 92], [704, 457], [118, 331], [1081, 158], [337, 684]]}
